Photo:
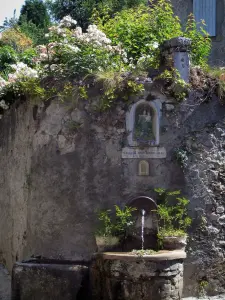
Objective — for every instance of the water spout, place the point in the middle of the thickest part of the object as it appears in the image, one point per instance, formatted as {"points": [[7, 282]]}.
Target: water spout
{"points": [[142, 228]]}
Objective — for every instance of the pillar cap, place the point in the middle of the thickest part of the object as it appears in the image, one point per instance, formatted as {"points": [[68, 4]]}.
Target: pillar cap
{"points": [[178, 44]]}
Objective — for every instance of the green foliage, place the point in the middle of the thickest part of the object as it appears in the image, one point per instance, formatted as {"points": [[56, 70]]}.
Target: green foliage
{"points": [[106, 227], [82, 10], [34, 32], [31, 88], [116, 85], [202, 285], [28, 57], [137, 29], [34, 20], [35, 11], [16, 39], [175, 85], [117, 225], [9, 23], [181, 157], [219, 75], [83, 92], [7, 56], [28, 89], [172, 212], [201, 42]]}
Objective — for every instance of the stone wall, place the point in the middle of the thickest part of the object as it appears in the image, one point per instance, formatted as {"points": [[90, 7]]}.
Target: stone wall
{"points": [[183, 8], [60, 163], [128, 277]]}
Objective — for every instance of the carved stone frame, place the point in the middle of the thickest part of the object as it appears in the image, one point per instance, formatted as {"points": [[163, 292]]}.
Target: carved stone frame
{"points": [[130, 121]]}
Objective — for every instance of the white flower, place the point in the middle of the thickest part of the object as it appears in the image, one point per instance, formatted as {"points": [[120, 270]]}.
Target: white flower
{"points": [[78, 31], [43, 56], [67, 22], [22, 71], [155, 45], [53, 67], [73, 48], [2, 82], [3, 105]]}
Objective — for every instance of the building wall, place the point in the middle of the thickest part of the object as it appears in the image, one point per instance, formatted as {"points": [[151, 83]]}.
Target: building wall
{"points": [[183, 8], [60, 164]]}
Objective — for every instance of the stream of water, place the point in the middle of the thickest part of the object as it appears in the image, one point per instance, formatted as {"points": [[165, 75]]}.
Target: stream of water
{"points": [[142, 228]]}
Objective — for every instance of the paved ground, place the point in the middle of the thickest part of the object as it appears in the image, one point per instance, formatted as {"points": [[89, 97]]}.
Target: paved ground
{"points": [[5, 284], [221, 297]]}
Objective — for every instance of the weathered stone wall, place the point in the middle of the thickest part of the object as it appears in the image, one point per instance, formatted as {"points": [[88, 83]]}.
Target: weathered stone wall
{"points": [[59, 164], [183, 8], [129, 278]]}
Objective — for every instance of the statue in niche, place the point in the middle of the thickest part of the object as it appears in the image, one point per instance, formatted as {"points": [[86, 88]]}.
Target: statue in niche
{"points": [[144, 131]]}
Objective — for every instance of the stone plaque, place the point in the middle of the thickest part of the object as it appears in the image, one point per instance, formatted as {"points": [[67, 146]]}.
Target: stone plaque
{"points": [[153, 152]]}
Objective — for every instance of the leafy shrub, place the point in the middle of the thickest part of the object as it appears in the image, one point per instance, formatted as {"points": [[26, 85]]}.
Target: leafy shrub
{"points": [[117, 225], [141, 29], [16, 39], [7, 56], [172, 212], [34, 32], [28, 57], [201, 42], [82, 10]]}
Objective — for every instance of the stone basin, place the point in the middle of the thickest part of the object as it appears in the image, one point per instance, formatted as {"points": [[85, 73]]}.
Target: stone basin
{"points": [[50, 279], [126, 276], [158, 256]]}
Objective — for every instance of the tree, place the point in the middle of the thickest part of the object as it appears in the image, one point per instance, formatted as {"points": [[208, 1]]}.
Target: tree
{"points": [[82, 10], [9, 23], [35, 11]]}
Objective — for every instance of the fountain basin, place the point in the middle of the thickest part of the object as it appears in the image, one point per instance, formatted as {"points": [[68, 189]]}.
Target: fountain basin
{"points": [[49, 279], [125, 276]]}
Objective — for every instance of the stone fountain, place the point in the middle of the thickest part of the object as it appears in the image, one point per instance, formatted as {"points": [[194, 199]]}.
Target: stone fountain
{"points": [[126, 276]]}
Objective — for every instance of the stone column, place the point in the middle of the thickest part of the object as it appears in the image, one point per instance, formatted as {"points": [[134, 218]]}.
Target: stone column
{"points": [[175, 54]]}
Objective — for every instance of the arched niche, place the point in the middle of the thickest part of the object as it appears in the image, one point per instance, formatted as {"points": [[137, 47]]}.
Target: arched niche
{"points": [[143, 122], [143, 168], [150, 226]]}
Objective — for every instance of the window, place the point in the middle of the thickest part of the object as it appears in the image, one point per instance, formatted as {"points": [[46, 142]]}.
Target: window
{"points": [[206, 10]]}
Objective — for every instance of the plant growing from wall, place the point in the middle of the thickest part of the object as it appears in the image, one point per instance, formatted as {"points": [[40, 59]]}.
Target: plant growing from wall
{"points": [[175, 86], [181, 157]]}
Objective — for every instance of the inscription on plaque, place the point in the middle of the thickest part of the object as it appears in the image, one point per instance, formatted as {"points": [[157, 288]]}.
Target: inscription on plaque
{"points": [[153, 152]]}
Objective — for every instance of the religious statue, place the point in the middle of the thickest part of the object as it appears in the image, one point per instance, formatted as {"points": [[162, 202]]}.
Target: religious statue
{"points": [[143, 131]]}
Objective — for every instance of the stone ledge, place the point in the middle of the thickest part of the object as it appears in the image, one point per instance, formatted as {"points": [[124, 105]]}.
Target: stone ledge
{"points": [[179, 42], [160, 256]]}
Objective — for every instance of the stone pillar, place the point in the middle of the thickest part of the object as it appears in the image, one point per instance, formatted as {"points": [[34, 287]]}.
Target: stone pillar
{"points": [[128, 277], [175, 54]]}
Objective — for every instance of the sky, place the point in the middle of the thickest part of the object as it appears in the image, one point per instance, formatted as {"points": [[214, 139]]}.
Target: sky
{"points": [[7, 8]]}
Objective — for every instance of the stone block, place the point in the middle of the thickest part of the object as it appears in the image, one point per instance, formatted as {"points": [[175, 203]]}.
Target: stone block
{"points": [[49, 280]]}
